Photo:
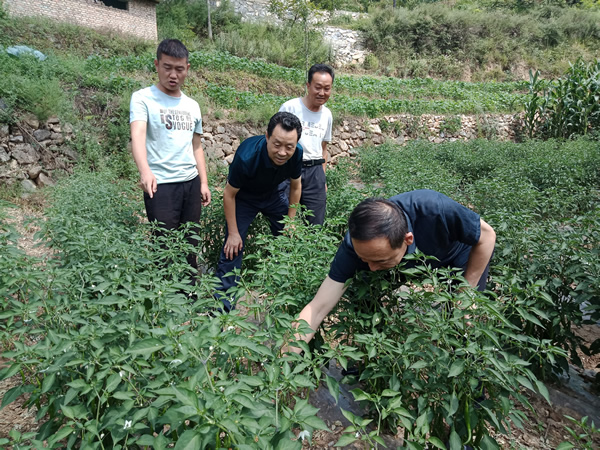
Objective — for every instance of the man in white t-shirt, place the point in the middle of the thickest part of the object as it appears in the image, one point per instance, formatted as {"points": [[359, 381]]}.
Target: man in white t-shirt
{"points": [[166, 132], [317, 124]]}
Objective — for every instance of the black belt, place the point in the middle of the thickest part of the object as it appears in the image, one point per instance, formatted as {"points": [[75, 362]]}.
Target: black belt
{"points": [[312, 162]]}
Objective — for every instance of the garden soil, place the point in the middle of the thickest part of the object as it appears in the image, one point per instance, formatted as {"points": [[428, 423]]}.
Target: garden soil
{"points": [[544, 429]]}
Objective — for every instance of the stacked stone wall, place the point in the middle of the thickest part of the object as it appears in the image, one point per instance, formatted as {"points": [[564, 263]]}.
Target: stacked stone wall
{"points": [[31, 152], [138, 20], [220, 140]]}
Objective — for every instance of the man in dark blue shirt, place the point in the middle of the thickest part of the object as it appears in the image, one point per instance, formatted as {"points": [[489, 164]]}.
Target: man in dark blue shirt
{"points": [[260, 164], [382, 231]]}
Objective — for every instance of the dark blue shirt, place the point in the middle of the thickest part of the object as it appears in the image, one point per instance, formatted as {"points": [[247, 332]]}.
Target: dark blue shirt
{"points": [[441, 227], [253, 171]]}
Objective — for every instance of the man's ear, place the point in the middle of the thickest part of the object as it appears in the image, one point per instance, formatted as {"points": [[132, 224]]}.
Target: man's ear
{"points": [[409, 238], [156, 63]]}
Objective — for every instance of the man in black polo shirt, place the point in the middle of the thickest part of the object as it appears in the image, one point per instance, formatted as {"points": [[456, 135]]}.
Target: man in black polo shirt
{"points": [[260, 164], [382, 231]]}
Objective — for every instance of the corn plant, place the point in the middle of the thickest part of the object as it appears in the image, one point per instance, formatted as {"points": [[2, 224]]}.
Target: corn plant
{"points": [[566, 107]]}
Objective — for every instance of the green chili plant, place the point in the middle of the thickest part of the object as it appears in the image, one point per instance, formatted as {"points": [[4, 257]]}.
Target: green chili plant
{"points": [[434, 357], [116, 347], [584, 435]]}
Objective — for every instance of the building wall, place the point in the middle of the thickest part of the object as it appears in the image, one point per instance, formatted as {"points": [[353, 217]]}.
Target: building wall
{"points": [[139, 20]]}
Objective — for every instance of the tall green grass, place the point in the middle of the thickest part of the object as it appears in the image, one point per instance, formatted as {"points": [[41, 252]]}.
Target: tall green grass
{"points": [[439, 41]]}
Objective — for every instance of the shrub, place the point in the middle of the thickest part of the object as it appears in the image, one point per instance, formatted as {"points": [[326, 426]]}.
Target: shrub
{"points": [[283, 46]]}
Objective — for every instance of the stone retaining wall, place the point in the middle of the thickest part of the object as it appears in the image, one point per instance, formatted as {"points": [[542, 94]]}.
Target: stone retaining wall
{"points": [[220, 140], [31, 151]]}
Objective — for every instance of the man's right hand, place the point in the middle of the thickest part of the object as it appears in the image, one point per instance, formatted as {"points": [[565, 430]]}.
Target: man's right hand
{"points": [[148, 183], [233, 245]]}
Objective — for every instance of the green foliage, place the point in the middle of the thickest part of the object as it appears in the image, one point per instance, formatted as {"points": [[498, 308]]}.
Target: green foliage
{"points": [[432, 358], [567, 107], [542, 200], [451, 125], [66, 40], [448, 41], [583, 435], [187, 20], [284, 46], [31, 85], [3, 13], [112, 349]]}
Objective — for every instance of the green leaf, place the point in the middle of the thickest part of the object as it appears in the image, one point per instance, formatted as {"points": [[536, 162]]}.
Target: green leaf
{"points": [[61, 434], [457, 368], [345, 439], [145, 347], [437, 442], [418, 365], [525, 382], [113, 382], [315, 422], [543, 390], [78, 384], [123, 395], [48, 382], [454, 404], [359, 395], [190, 440], [12, 394], [8, 372], [455, 442], [565, 446], [334, 387], [488, 443]]}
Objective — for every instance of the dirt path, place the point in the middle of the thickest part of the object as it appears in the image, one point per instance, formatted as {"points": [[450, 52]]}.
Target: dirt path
{"points": [[25, 220]]}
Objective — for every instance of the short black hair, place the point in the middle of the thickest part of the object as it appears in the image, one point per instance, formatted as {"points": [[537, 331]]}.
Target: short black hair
{"points": [[288, 122], [173, 48], [377, 217], [319, 68]]}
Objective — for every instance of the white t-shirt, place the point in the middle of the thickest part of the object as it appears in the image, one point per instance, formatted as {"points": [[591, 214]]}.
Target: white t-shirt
{"points": [[316, 127], [170, 126]]}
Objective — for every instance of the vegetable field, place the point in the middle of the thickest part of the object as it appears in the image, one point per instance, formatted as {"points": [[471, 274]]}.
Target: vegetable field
{"points": [[116, 349]]}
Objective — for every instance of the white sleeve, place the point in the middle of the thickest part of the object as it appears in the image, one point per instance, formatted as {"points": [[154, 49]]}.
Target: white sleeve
{"points": [[138, 109]]}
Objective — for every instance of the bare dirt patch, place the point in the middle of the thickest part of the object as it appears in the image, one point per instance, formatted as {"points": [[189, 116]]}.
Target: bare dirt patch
{"points": [[25, 219]]}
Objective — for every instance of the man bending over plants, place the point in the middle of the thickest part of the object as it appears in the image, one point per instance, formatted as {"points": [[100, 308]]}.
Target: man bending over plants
{"points": [[166, 132], [316, 122], [260, 165], [382, 231]]}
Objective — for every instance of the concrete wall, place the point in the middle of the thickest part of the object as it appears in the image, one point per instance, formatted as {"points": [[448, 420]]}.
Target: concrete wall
{"points": [[138, 20]]}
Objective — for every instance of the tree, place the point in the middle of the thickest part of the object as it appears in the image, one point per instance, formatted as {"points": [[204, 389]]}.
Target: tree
{"points": [[293, 11]]}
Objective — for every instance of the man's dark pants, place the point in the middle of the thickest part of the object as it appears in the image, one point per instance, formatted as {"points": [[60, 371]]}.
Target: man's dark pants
{"points": [[314, 196], [174, 204], [273, 205]]}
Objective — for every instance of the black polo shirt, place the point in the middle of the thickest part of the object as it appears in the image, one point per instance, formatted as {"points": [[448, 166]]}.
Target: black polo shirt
{"points": [[253, 171], [441, 227]]}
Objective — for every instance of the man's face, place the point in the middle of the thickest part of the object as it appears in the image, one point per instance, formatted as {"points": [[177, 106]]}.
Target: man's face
{"points": [[171, 74], [319, 89], [379, 254], [281, 145]]}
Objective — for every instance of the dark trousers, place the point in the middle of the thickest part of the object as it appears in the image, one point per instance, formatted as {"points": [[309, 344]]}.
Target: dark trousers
{"points": [[174, 204], [273, 205], [314, 196]]}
